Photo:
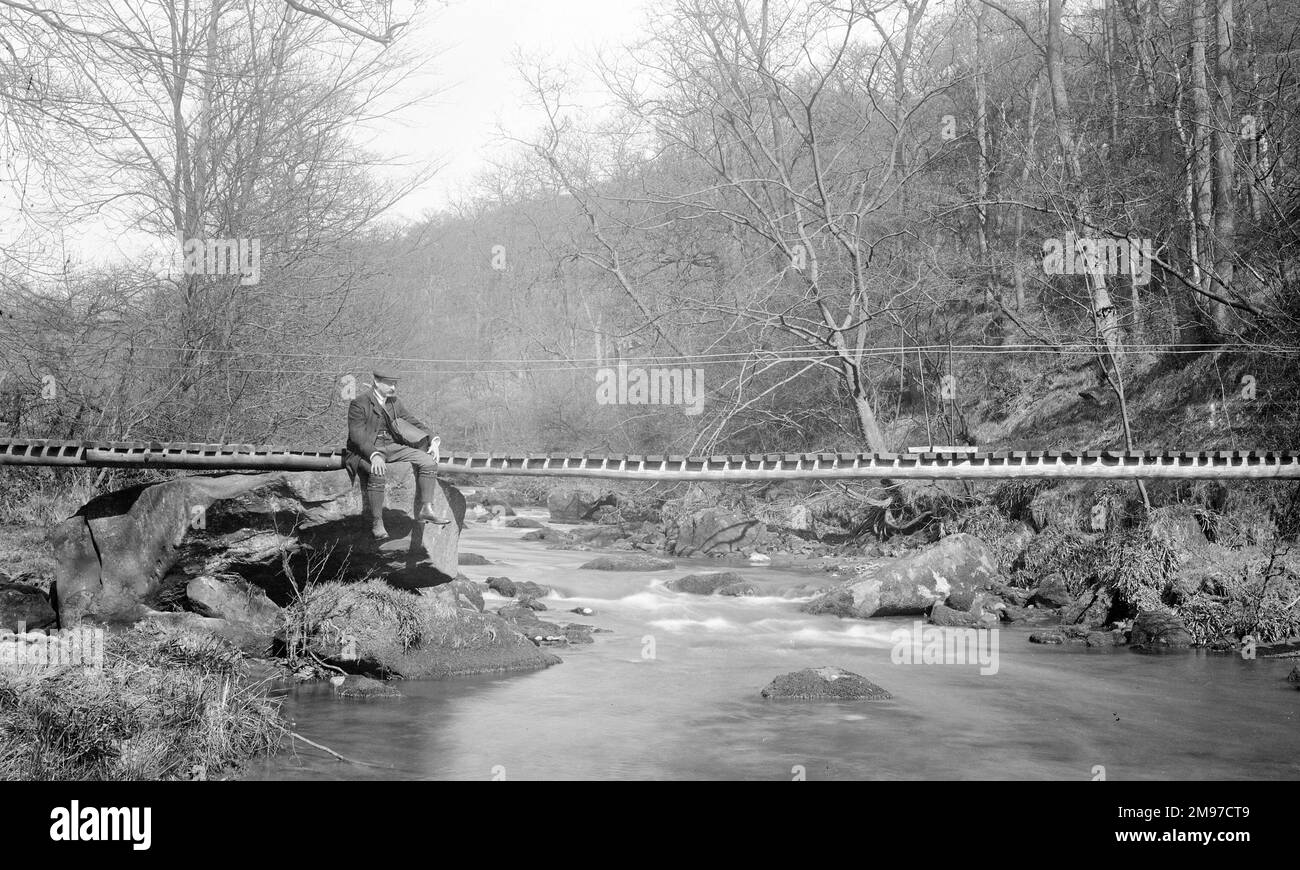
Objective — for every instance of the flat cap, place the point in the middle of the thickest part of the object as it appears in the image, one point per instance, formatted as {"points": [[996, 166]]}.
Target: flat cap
{"points": [[385, 373]]}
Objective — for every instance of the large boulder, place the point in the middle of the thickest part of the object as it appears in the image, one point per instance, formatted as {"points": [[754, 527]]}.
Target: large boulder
{"points": [[371, 627], [130, 552], [23, 608], [705, 584], [1052, 591], [1159, 628], [713, 531], [1090, 609], [576, 505], [818, 684], [912, 584], [238, 602]]}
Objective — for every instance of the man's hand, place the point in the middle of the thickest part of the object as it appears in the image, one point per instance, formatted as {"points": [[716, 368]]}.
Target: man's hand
{"points": [[377, 465], [434, 446]]}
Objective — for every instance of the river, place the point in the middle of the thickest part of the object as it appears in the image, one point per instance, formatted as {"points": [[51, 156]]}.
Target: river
{"points": [[672, 692]]}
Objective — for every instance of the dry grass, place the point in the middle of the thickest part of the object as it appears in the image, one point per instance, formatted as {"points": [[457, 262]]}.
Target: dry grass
{"points": [[168, 704], [376, 614], [40, 498]]}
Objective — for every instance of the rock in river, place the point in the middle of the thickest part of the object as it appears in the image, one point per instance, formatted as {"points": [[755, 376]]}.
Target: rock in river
{"points": [[630, 562], [704, 584], [359, 686], [711, 531], [813, 684], [1159, 628], [577, 504], [911, 584], [517, 588], [1052, 591]]}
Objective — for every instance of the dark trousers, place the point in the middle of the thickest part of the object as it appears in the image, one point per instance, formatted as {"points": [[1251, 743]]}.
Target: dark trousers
{"points": [[422, 464]]}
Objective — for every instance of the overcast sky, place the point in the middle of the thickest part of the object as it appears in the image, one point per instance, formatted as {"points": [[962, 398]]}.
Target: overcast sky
{"points": [[477, 39], [473, 43]]}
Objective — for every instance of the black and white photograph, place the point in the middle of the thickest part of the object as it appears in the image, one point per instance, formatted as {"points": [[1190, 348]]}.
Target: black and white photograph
{"points": [[650, 390]]}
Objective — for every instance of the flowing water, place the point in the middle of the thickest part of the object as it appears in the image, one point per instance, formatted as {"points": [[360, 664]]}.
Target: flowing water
{"points": [[672, 692]]}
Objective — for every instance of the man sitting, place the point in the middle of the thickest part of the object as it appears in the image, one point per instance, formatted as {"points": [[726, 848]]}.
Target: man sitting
{"points": [[373, 443]]}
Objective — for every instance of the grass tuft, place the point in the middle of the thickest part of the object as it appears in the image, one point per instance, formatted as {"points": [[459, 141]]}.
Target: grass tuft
{"points": [[168, 704]]}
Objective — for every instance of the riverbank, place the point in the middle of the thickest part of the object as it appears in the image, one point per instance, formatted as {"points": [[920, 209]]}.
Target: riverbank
{"points": [[150, 703]]}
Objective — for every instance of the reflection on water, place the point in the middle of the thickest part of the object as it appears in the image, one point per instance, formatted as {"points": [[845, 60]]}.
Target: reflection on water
{"points": [[673, 693]]}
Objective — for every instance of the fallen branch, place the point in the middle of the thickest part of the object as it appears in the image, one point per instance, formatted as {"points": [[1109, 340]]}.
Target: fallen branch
{"points": [[340, 757]]}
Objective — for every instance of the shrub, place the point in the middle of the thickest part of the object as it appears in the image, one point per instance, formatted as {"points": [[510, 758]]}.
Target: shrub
{"points": [[1013, 497], [1259, 600], [1064, 551], [1006, 538], [1137, 568]]}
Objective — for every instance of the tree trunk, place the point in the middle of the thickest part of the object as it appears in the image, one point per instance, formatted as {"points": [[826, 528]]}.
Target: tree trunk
{"points": [[1226, 131], [1201, 164]]}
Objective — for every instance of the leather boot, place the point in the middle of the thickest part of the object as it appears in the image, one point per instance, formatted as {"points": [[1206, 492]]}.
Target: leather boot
{"points": [[375, 510], [429, 515], [426, 512]]}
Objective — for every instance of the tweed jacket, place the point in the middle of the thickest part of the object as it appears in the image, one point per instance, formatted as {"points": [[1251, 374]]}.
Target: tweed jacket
{"points": [[365, 420]]}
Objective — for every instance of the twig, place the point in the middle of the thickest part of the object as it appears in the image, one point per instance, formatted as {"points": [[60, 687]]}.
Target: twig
{"points": [[325, 664], [337, 755]]}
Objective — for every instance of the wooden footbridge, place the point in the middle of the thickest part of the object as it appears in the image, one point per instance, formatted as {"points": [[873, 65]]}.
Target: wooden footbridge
{"points": [[929, 464]]}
